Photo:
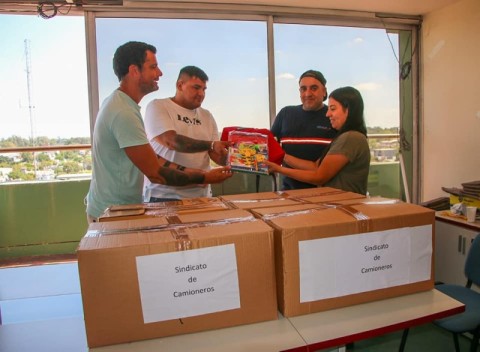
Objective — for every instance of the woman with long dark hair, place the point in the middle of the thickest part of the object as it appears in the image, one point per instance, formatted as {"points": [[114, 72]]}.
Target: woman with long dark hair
{"points": [[345, 164]]}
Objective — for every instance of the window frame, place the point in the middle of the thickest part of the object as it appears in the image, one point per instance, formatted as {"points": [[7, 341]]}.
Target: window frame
{"points": [[406, 26]]}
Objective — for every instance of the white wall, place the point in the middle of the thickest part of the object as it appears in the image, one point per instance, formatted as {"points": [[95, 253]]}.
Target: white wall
{"points": [[451, 97]]}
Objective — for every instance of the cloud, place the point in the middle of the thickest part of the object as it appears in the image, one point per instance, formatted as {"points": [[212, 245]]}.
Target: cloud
{"points": [[368, 86], [355, 41], [285, 76]]}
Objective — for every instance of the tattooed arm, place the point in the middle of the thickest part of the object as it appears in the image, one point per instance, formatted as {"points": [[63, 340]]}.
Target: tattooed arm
{"points": [[182, 143], [159, 170], [217, 150]]}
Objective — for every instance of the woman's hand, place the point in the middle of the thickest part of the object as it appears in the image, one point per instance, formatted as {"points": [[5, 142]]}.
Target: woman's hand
{"points": [[272, 167]]}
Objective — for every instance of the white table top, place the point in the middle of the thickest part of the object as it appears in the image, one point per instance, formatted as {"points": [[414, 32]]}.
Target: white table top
{"points": [[275, 335], [344, 325], [447, 216], [319, 330]]}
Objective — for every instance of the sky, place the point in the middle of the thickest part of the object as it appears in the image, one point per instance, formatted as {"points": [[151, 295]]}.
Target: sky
{"points": [[58, 94], [232, 53]]}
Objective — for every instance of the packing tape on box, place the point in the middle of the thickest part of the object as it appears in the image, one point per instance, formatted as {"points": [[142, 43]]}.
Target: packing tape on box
{"points": [[180, 234], [173, 219], [164, 208], [174, 222], [311, 194], [268, 217], [246, 201], [182, 241], [185, 204], [362, 219], [106, 232], [284, 195], [205, 223]]}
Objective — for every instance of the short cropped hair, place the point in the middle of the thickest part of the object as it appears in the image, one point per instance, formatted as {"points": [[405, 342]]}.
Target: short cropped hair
{"points": [[318, 76], [193, 71], [314, 74], [130, 53]]}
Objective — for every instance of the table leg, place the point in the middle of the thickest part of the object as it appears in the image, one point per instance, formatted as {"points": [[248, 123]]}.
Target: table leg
{"points": [[404, 340]]}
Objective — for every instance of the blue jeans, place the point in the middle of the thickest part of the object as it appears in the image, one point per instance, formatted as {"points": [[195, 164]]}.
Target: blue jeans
{"points": [[157, 200]]}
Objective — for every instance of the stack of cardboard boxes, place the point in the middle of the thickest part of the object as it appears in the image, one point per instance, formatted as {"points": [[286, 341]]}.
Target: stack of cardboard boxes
{"points": [[152, 210], [186, 272], [156, 277], [353, 252]]}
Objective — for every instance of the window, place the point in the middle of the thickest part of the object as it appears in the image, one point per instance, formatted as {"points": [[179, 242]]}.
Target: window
{"points": [[43, 97], [364, 58], [232, 53], [44, 91], [359, 57]]}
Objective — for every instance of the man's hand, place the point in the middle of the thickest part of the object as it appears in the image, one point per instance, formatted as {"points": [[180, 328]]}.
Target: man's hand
{"points": [[219, 151], [221, 147], [217, 175]]}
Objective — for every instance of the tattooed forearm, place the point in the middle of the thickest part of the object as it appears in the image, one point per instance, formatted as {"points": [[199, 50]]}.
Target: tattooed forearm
{"points": [[189, 145], [175, 177]]}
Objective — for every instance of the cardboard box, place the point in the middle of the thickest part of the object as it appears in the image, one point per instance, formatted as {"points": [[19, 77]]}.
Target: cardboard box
{"points": [[149, 278], [285, 198], [311, 192], [323, 195], [149, 210], [364, 250], [259, 200]]}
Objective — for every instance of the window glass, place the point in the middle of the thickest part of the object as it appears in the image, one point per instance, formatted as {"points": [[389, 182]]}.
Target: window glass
{"points": [[44, 90], [232, 53], [364, 58], [360, 57], [44, 95]]}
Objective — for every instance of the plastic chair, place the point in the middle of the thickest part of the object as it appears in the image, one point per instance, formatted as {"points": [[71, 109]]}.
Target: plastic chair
{"points": [[468, 321]]}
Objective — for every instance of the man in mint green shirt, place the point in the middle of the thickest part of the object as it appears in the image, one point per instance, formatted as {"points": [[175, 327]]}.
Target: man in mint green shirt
{"points": [[121, 153]]}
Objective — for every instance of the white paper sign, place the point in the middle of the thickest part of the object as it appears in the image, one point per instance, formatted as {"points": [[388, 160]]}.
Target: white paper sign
{"points": [[188, 283], [339, 266]]}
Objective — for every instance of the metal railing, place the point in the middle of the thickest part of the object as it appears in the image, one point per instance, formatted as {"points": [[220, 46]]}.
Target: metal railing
{"points": [[45, 148], [89, 146]]}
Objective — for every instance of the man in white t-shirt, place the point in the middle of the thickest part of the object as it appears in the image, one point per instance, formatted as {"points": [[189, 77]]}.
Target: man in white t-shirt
{"points": [[121, 153], [180, 130]]}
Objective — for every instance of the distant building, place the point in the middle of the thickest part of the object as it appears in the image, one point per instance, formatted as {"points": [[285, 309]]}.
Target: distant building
{"points": [[4, 172], [83, 176], [45, 175], [385, 154], [16, 157]]}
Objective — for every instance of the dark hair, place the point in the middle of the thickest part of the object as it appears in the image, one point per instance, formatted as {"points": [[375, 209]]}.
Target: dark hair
{"points": [[193, 71], [351, 98], [130, 53], [314, 74], [318, 76]]}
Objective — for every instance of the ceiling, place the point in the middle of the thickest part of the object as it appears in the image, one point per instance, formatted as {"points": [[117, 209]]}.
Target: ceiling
{"points": [[405, 7], [401, 7]]}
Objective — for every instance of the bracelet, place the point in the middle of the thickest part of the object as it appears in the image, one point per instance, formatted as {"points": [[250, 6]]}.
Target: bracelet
{"points": [[211, 145], [181, 167], [167, 163]]}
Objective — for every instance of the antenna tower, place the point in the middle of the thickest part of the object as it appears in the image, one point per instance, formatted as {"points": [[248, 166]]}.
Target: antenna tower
{"points": [[31, 105]]}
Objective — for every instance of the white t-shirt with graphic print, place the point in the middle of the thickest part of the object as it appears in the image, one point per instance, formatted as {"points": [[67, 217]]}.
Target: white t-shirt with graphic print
{"points": [[164, 115]]}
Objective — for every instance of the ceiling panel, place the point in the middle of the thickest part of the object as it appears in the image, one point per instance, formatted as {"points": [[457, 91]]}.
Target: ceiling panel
{"points": [[406, 7]]}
